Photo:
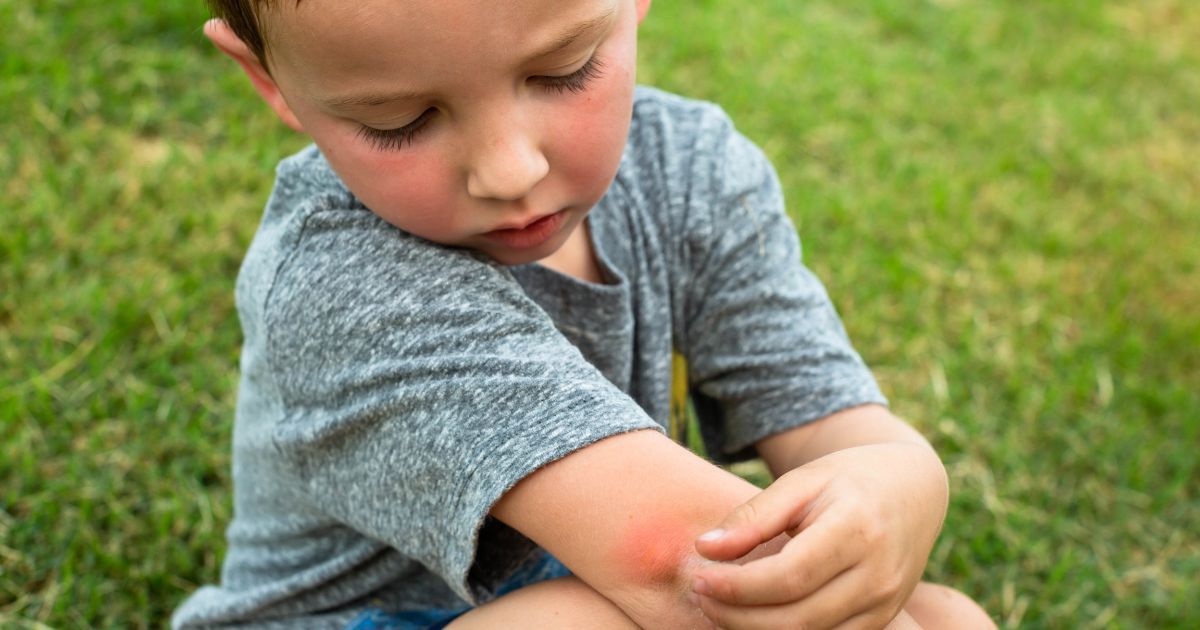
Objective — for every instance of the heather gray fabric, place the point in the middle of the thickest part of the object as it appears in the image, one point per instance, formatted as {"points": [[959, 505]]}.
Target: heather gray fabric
{"points": [[393, 389]]}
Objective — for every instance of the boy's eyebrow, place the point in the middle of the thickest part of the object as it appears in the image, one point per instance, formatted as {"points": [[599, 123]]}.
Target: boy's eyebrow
{"points": [[577, 31], [372, 99]]}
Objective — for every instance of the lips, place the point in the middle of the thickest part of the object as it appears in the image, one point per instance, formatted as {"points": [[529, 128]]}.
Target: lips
{"points": [[519, 227], [531, 234]]}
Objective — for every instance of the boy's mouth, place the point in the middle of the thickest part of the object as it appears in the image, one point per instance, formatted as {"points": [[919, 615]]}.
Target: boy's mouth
{"points": [[531, 235]]}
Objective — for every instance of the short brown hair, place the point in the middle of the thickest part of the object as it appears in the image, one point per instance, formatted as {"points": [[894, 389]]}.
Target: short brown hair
{"points": [[242, 16]]}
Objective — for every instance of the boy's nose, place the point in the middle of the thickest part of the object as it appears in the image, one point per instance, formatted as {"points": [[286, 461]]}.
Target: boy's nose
{"points": [[507, 168]]}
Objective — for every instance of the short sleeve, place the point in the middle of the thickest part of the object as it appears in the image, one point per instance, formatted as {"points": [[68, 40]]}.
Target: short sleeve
{"points": [[766, 350], [418, 384]]}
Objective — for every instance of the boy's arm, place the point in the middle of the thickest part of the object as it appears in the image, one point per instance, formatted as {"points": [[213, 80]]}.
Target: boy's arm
{"points": [[622, 514], [857, 426]]}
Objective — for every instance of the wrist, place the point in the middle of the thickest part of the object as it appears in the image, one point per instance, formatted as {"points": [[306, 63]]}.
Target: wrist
{"points": [[928, 460], [928, 477], [918, 459]]}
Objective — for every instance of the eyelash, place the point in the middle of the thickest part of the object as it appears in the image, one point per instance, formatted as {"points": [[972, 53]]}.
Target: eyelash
{"points": [[396, 139], [577, 81]]}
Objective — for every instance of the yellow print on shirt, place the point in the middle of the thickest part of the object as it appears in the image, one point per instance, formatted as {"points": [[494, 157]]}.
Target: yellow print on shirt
{"points": [[678, 424]]}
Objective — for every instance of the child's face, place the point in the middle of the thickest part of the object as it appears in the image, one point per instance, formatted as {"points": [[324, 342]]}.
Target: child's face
{"points": [[453, 119]]}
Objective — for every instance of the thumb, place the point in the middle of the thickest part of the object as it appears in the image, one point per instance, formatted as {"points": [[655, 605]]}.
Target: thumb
{"points": [[778, 509]]}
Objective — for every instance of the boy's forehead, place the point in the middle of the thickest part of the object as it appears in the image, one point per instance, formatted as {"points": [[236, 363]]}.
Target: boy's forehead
{"points": [[364, 36]]}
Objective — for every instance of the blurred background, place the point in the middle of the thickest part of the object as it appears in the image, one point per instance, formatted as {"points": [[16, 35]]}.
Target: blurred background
{"points": [[1002, 196]]}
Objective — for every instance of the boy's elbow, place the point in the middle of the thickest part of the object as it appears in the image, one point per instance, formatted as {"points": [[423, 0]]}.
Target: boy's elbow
{"points": [[624, 514], [659, 604], [655, 558], [654, 551]]}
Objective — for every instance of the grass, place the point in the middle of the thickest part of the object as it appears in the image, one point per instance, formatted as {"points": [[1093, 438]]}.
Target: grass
{"points": [[1001, 197]]}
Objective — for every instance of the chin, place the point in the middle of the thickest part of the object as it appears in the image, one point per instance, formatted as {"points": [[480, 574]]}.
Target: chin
{"points": [[512, 259]]}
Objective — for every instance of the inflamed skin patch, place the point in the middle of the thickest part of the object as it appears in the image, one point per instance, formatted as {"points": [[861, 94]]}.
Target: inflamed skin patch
{"points": [[654, 549]]}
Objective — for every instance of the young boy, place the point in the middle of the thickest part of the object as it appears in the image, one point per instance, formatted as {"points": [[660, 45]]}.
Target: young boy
{"points": [[460, 312]]}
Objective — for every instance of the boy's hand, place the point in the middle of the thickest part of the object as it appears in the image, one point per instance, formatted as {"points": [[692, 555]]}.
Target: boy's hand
{"points": [[862, 520]]}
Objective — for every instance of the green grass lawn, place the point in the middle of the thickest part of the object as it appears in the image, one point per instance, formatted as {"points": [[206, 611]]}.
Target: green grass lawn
{"points": [[1003, 198]]}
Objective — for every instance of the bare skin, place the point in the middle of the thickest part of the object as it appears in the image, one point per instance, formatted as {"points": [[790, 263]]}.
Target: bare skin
{"points": [[568, 603], [565, 603], [621, 488]]}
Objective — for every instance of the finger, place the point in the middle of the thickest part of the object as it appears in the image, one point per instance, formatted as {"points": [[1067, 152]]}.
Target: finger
{"points": [[728, 617], [804, 564], [779, 508], [840, 601]]}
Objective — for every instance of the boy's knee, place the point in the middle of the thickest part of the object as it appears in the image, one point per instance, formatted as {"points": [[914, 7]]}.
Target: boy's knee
{"points": [[565, 602], [935, 606]]}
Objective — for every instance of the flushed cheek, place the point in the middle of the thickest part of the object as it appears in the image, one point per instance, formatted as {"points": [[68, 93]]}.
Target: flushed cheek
{"points": [[593, 136], [411, 190]]}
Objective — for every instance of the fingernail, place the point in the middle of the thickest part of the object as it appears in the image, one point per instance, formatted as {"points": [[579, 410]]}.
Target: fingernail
{"points": [[700, 586], [693, 599], [712, 535]]}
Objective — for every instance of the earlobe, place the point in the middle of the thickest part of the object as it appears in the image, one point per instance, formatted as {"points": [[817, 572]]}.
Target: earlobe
{"points": [[643, 6], [223, 37]]}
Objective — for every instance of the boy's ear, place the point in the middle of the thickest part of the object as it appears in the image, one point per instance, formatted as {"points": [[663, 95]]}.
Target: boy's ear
{"points": [[643, 6], [218, 32]]}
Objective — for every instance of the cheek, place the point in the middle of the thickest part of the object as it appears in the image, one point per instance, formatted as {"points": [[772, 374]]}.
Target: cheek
{"points": [[413, 190], [594, 130]]}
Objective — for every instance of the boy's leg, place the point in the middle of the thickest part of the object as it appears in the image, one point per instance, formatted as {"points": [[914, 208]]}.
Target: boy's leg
{"points": [[934, 607], [569, 603], [937, 607], [564, 602]]}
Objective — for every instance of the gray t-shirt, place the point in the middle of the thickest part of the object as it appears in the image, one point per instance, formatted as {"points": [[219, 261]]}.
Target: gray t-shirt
{"points": [[393, 389]]}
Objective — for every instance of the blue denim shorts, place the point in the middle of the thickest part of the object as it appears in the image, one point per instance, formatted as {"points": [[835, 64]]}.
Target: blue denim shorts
{"points": [[547, 568]]}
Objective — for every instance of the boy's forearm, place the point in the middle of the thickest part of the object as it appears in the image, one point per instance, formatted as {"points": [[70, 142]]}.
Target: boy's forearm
{"points": [[857, 426]]}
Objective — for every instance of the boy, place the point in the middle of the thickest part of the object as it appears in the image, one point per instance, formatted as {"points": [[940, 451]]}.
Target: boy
{"points": [[452, 381]]}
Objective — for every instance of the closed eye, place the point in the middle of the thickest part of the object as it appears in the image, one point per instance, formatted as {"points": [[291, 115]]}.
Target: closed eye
{"points": [[395, 139], [575, 82]]}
